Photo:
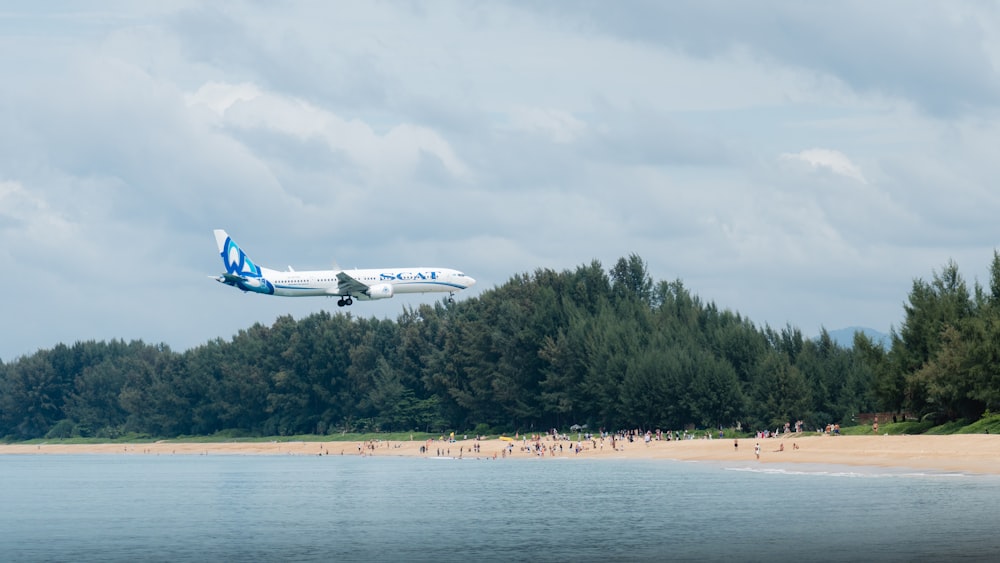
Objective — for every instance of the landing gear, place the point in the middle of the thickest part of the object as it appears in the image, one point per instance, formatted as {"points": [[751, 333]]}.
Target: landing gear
{"points": [[345, 301], [451, 298]]}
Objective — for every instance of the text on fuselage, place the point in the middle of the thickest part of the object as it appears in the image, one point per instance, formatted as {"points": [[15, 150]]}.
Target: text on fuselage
{"points": [[409, 276]]}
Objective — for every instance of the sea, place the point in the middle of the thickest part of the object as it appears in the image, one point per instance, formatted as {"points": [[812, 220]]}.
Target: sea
{"points": [[178, 508]]}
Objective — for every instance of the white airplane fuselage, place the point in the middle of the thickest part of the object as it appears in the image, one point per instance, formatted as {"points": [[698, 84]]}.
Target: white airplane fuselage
{"points": [[401, 280], [376, 283]]}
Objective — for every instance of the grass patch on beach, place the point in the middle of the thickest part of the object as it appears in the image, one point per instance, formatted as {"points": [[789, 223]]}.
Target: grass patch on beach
{"points": [[989, 424], [892, 428]]}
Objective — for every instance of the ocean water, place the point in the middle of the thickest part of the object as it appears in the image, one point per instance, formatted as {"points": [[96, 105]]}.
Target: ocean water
{"points": [[349, 508]]}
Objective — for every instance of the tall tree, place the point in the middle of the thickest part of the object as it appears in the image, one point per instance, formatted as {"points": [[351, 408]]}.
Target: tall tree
{"points": [[932, 308], [630, 280]]}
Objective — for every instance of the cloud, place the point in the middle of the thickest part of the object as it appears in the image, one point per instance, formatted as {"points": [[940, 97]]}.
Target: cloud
{"points": [[496, 138], [557, 125], [220, 96], [387, 156], [832, 160], [905, 59]]}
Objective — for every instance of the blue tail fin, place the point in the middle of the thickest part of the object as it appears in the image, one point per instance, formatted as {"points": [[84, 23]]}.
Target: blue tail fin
{"points": [[236, 261]]}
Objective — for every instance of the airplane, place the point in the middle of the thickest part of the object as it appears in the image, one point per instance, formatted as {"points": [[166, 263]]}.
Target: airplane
{"points": [[348, 285]]}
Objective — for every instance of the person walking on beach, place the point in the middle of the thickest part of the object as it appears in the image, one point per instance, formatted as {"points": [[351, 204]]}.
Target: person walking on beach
{"points": [[756, 450]]}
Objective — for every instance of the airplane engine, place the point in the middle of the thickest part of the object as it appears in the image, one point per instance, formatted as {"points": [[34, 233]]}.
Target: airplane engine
{"points": [[380, 291]]}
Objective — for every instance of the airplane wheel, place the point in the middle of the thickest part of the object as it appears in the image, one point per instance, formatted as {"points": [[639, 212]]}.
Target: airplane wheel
{"points": [[340, 302], [349, 301]]}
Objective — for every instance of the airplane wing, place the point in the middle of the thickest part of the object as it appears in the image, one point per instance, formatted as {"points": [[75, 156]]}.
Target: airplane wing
{"points": [[349, 286]]}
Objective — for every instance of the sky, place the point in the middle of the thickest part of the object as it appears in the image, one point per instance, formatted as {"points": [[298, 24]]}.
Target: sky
{"points": [[801, 163]]}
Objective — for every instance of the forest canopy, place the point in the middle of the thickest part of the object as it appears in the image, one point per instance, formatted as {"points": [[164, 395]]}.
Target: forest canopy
{"points": [[607, 348]]}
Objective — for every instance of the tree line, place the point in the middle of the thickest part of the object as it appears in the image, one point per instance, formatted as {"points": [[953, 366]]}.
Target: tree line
{"points": [[610, 349]]}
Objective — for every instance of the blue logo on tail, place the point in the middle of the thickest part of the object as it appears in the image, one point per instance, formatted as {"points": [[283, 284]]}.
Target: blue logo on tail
{"points": [[239, 264]]}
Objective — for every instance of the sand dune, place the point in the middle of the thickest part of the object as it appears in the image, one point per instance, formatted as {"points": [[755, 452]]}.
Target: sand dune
{"points": [[971, 453]]}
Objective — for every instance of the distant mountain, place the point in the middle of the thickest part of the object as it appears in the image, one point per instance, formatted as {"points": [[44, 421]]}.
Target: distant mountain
{"points": [[845, 336]]}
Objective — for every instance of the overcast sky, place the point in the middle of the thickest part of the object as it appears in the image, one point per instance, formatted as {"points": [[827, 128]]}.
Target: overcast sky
{"points": [[798, 162]]}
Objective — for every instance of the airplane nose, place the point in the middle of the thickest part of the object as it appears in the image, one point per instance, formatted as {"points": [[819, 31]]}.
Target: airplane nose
{"points": [[471, 280]]}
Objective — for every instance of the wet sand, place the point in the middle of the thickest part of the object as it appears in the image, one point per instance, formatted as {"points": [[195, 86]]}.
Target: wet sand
{"points": [[968, 453]]}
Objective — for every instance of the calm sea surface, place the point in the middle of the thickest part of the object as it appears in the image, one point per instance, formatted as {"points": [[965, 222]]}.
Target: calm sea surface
{"points": [[334, 508]]}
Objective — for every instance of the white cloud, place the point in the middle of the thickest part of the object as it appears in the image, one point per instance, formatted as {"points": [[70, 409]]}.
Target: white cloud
{"points": [[832, 160], [220, 96], [388, 156], [30, 215], [558, 125], [543, 134]]}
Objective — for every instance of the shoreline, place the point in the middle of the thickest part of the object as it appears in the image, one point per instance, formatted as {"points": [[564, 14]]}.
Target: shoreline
{"points": [[963, 453]]}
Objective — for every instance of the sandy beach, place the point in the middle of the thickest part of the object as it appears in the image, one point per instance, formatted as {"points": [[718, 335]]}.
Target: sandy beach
{"points": [[968, 453]]}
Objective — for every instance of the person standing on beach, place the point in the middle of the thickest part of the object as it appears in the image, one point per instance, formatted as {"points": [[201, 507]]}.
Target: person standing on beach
{"points": [[756, 450], [736, 445]]}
